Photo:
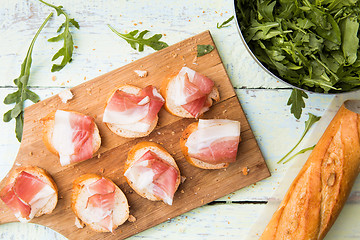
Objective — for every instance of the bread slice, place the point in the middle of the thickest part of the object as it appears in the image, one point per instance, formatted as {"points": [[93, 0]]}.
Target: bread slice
{"points": [[167, 89], [126, 133], [80, 197], [48, 129], [44, 176], [137, 152], [194, 161]]}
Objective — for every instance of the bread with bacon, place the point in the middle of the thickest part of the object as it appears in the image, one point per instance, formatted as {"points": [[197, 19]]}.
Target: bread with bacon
{"points": [[99, 203], [189, 94], [72, 136], [131, 112], [152, 172], [211, 143], [29, 192]]}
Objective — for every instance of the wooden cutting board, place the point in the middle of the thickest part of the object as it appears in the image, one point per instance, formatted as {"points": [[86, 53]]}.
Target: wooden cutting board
{"points": [[200, 186]]}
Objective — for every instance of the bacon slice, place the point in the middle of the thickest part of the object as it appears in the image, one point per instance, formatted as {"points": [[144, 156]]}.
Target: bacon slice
{"points": [[155, 175], [73, 136], [101, 203], [26, 195], [101, 186], [126, 109], [215, 141], [192, 90]]}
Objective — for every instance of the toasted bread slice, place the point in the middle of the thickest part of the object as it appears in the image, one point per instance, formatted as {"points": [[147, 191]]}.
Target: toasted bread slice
{"points": [[167, 89], [44, 176], [79, 200], [48, 129], [194, 161], [127, 133], [137, 152]]}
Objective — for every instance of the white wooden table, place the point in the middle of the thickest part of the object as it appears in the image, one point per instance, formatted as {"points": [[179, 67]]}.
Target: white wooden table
{"points": [[99, 50]]}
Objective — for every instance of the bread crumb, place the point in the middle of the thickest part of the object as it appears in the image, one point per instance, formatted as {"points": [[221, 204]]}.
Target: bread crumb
{"points": [[99, 155], [31, 153], [183, 178], [131, 218], [245, 171], [102, 170], [79, 223], [53, 78], [202, 201], [182, 191], [65, 95]]}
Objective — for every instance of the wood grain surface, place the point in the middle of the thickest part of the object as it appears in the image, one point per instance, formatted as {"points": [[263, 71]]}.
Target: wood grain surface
{"points": [[200, 186]]}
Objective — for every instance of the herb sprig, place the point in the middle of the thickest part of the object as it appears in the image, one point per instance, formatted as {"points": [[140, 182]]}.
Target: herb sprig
{"points": [[139, 42], [308, 123], [204, 49], [23, 93], [296, 100], [67, 50], [223, 25]]}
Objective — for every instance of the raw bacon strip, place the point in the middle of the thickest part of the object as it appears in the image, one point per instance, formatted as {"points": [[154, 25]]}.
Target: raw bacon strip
{"points": [[101, 186], [125, 108], [204, 84], [195, 106], [153, 173], [21, 209], [101, 205], [83, 130], [215, 141], [26, 195], [73, 136]]}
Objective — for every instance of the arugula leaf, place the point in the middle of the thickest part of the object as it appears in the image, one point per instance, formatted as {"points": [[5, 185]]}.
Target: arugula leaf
{"points": [[223, 25], [296, 100], [204, 49], [308, 123], [23, 93], [300, 152], [67, 50], [152, 42]]}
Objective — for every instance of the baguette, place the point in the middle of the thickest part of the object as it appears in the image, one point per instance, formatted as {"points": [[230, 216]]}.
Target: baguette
{"points": [[168, 89], [135, 154], [319, 192], [48, 201], [129, 130], [79, 202], [48, 130]]}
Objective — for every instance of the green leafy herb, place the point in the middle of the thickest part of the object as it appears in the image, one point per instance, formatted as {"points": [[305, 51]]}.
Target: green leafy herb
{"points": [[299, 152], [67, 50], [23, 93], [296, 100], [311, 44], [204, 49], [223, 25], [140, 41], [308, 123]]}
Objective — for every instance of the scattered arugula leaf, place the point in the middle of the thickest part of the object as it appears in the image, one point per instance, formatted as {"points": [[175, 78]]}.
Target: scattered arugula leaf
{"points": [[204, 49], [300, 152], [67, 50], [23, 93], [223, 25], [296, 100], [308, 123], [152, 42]]}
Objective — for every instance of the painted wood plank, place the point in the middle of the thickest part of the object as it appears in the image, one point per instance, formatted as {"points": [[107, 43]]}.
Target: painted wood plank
{"points": [[100, 50]]}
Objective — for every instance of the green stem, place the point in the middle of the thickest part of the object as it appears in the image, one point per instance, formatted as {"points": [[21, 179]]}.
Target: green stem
{"points": [[302, 137], [300, 152]]}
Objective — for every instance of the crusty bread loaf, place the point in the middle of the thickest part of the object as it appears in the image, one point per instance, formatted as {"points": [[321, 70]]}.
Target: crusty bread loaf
{"points": [[126, 133], [137, 152], [166, 91], [48, 128], [318, 193], [80, 197], [194, 161], [44, 176]]}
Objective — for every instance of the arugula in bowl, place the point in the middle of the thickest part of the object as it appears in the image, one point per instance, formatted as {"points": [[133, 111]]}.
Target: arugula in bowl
{"points": [[311, 44]]}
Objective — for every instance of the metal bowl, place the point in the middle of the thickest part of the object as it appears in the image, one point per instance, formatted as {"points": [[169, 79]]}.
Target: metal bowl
{"points": [[274, 75]]}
